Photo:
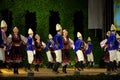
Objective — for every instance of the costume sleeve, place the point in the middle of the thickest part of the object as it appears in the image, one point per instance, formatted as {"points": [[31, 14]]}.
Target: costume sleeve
{"points": [[4, 37], [48, 45], [9, 39], [111, 39], [30, 41], [71, 43], [78, 45], [30, 44], [23, 38], [89, 49], [61, 42], [44, 45]]}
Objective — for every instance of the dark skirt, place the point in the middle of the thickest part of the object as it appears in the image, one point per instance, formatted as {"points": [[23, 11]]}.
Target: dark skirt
{"points": [[15, 54], [7, 57], [106, 57], [65, 56], [38, 58]]}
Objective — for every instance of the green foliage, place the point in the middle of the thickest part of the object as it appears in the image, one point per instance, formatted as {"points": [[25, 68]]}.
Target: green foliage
{"points": [[66, 9]]}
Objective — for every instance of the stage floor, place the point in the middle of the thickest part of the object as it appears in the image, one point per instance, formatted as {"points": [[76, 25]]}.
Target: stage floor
{"points": [[44, 72]]}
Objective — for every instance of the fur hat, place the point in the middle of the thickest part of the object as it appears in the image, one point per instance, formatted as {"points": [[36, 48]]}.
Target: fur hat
{"points": [[50, 36], [117, 36], [89, 39], [3, 24], [79, 34], [58, 27], [112, 27], [30, 31]]}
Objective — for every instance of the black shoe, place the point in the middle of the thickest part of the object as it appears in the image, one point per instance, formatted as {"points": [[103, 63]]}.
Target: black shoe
{"points": [[0, 71], [48, 65], [56, 71], [64, 69], [108, 72], [64, 72], [77, 68], [36, 69], [16, 72], [51, 65]]}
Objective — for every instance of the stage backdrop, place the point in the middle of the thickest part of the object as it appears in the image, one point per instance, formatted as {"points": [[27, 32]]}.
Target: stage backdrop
{"points": [[95, 14], [117, 14]]}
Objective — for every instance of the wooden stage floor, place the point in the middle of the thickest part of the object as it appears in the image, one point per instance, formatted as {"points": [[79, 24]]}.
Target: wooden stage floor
{"points": [[44, 72]]}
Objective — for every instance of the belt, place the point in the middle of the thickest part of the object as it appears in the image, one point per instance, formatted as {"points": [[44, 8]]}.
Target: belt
{"points": [[16, 44]]}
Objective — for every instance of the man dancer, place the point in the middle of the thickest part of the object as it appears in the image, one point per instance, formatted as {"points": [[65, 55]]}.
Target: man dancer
{"points": [[30, 48], [50, 51], [78, 50], [112, 48], [88, 52], [3, 40], [58, 46]]}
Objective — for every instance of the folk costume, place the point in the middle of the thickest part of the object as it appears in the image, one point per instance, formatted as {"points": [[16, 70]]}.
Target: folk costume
{"points": [[112, 48], [88, 52], [79, 53], [50, 52], [38, 58], [3, 40], [30, 48], [65, 53], [15, 55], [58, 46]]}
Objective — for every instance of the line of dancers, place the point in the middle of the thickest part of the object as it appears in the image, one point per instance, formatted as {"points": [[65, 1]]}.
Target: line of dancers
{"points": [[57, 49]]}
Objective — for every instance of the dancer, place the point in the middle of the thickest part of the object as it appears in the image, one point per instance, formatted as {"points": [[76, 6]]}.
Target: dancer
{"points": [[50, 52], [3, 40], [30, 48], [79, 53], [58, 46], [112, 48], [65, 55], [39, 45], [104, 44], [15, 54], [88, 52]]}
